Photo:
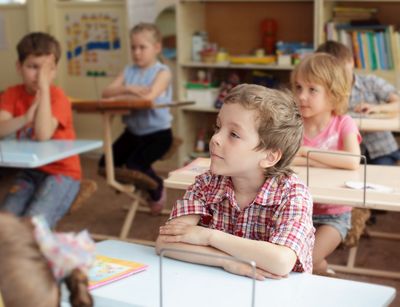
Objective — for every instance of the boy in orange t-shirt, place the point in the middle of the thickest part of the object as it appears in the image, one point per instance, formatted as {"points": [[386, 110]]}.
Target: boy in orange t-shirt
{"points": [[37, 110]]}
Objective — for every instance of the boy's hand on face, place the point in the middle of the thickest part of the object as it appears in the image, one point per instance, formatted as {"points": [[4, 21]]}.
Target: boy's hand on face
{"points": [[185, 233], [243, 269], [47, 71]]}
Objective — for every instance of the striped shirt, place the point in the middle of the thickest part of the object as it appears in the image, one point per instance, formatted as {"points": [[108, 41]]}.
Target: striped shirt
{"points": [[374, 90], [280, 214]]}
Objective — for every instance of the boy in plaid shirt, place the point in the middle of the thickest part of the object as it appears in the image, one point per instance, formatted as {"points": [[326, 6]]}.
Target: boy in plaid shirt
{"points": [[249, 205]]}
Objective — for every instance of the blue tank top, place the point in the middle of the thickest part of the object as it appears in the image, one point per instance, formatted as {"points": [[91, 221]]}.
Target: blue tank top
{"points": [[148, 121]]}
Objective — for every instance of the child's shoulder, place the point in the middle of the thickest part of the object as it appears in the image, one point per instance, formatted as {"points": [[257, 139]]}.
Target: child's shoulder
{"points": [[289, 184]]}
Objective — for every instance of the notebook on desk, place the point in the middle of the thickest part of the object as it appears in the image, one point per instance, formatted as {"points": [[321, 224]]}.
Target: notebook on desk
{"points": [[106, 270]]}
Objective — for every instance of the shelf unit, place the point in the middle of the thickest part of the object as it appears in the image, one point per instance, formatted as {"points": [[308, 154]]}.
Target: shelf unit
{"points": [[239, 35], [387, 14], [297, 21]]}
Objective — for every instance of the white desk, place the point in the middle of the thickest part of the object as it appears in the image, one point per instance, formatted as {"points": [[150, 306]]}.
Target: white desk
{"points": [[31, 154], [326, 184], [187, 284], [375, 123]]}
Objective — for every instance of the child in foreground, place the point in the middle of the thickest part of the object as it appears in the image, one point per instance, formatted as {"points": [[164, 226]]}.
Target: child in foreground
{"points": [[37, 110], [34, 263], [321, 89], [249, 205]]}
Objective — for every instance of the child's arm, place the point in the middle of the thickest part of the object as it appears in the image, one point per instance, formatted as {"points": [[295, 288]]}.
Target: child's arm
{"points": [[235, 267], [10, 124], [350, 145], [159, 85], [392, 105], [44, 122], [276, 259], [118, 89]]}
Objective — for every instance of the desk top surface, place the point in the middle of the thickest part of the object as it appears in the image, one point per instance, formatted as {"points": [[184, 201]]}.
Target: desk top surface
{"points": [[186, 284], [374, 123], [31, 154], [327, 185], [111, 106]]}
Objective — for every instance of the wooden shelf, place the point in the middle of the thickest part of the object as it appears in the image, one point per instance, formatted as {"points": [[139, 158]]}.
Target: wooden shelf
{"points": [[236, 66]]}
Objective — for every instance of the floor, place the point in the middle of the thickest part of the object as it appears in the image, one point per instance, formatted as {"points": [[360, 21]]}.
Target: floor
{"points": [[103, 213]]}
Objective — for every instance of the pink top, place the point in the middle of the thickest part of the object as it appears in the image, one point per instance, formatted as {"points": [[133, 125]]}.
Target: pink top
{"points": [[331, 138]]}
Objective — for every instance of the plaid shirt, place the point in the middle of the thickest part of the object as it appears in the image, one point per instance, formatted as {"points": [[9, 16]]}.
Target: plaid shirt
{"points": [[374, 90], [281, 213]]}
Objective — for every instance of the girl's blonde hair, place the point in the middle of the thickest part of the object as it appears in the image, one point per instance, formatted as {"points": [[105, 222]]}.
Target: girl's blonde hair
{"points": [[327, 71], [149, 27]]}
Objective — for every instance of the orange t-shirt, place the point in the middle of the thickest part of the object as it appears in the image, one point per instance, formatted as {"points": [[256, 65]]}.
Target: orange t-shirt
{"points": [[16, 100]]}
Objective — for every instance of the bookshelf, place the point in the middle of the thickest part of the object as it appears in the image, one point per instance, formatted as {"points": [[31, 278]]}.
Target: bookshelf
{"points": [[386, 11], [240, 34]]}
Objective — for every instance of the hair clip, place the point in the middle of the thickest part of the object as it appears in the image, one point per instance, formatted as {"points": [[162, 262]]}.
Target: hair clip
{"points": [[64, 251]]}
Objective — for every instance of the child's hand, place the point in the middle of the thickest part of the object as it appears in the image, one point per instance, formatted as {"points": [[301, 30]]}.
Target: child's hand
{"points": [[185, 233], [303, 150], [243, 269], [365, 108], [47, 71], [30, 114], [138, 90]]}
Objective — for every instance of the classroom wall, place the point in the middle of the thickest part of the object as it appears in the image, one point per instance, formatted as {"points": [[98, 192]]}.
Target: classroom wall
{"points": [[15, 24], [88, 126]]}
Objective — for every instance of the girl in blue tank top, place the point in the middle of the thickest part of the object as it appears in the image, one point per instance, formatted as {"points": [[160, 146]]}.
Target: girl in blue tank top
{"points": [[148, 134]]}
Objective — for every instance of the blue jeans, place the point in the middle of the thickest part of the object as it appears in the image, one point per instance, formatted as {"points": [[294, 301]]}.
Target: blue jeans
{"points": [[390, 159], [38, 193], [341, 222]]}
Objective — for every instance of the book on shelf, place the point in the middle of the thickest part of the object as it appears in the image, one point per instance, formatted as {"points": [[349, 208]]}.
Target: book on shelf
{"points": [[374, 46], [106, 270], [191, 170]]}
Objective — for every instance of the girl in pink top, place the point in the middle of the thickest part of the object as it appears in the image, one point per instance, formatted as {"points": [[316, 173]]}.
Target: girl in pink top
{"points": [[321, 88]]}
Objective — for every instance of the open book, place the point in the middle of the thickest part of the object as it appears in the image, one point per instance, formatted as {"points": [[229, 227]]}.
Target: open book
{"points": [[106, 270], [188, 173]]}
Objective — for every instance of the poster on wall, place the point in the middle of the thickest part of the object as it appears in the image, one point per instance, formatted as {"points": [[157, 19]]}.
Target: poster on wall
{"points": [[93, 43]]}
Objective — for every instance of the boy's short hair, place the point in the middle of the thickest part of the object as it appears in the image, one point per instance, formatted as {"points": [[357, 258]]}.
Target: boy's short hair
{"points": [[279, 122], [326, 70], [338, 50], [150, 27], [38, 44]]}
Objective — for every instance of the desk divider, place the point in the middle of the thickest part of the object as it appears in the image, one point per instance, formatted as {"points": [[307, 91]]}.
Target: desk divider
{"points": [[250, 263], [362, 157]]}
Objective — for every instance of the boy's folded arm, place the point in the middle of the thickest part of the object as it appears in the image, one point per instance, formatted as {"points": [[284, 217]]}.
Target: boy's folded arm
{"points": [[10, 124], [45, 124], [190, 220], [276, 259]]}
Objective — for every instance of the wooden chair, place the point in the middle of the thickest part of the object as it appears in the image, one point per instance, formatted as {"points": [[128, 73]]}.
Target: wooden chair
{"points": [[359, 218], [87, 188]]}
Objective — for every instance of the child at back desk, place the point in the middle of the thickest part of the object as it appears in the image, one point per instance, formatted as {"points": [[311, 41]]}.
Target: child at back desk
{"points": [[34, 263], [249, 205], [37, 110], [369, 94], [148, 134], [321, 89]]}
